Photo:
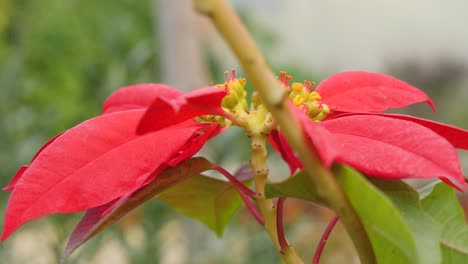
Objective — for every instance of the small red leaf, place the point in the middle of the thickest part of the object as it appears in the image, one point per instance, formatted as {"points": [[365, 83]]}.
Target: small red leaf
{"points": [[91, 164], [391, 148], [359, 91], [162, 113], [97, 219], [138, 96]]}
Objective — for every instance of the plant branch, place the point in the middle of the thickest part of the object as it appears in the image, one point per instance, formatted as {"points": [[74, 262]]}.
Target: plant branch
{"points": [[324, 238], [279, 224], [234, 181], [244, 192], [266, 206], [274, 96]]}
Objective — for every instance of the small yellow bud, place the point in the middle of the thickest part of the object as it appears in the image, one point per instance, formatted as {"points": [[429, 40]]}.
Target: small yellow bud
{"points": [[314, 96], [298, 100], [314, 108], [297, 87], [320, 117], [325, 109]]}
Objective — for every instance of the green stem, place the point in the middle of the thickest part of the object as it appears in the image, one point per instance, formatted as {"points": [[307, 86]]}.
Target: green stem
{"points": [[266, 206], [274, 96]]}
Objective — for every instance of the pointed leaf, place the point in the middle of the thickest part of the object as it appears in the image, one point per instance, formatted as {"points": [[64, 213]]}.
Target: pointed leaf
{"points": [[84, 168], [210, 201], [360, 91], [456, 136], [163, 113], [15, 179], [97, 219], [138, 96], [442, 204], [392, 148], [21, 170], [390, 236], [425, 230], [392, 215]]}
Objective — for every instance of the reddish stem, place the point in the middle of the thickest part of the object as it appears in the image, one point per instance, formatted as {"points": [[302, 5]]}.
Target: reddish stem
{"points": [[253, 210], [244, 193], [237, 184], [279, 224], [324, 238]]}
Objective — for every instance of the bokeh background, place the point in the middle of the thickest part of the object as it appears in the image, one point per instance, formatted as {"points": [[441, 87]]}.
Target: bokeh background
{"points": [[59, 59]]}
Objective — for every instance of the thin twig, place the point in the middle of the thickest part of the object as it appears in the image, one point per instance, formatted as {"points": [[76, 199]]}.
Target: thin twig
{"points": [[237, 184], [279, 223], [253, 210], [324, 238], [244, 192]]}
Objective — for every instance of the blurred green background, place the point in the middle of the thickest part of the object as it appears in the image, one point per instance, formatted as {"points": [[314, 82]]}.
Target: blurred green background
{"points": [[60, 59]]}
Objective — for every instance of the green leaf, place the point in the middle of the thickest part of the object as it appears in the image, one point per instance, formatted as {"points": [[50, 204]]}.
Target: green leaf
{"points": [[426, 232], [400, 229], [442, 204], [210, 201], [298, 186], [390, 236]]}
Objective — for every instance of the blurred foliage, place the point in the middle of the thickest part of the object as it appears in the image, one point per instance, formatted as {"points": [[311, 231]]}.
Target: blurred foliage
{"points": [[60, 59]]}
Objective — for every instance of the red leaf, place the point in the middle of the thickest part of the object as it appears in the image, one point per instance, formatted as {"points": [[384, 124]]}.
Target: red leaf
{"points": [[21, 170], [15, 179], [207, 99], [97, 219], [138, 96], [393, 149], [163, 113], [195, 144], [359, 91], [91, 164], [456, 136]]}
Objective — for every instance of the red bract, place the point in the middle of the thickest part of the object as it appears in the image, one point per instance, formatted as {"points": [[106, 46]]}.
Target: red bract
{"points": [[381, 145], [359, 91], [104, 159]]}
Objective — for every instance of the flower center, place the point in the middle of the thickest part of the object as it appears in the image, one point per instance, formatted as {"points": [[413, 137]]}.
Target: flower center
{"points": [[310, 102], [255, 118]]}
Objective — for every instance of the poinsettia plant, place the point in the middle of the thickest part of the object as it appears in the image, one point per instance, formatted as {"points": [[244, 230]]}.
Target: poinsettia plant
{"points": [[342, 150]]}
